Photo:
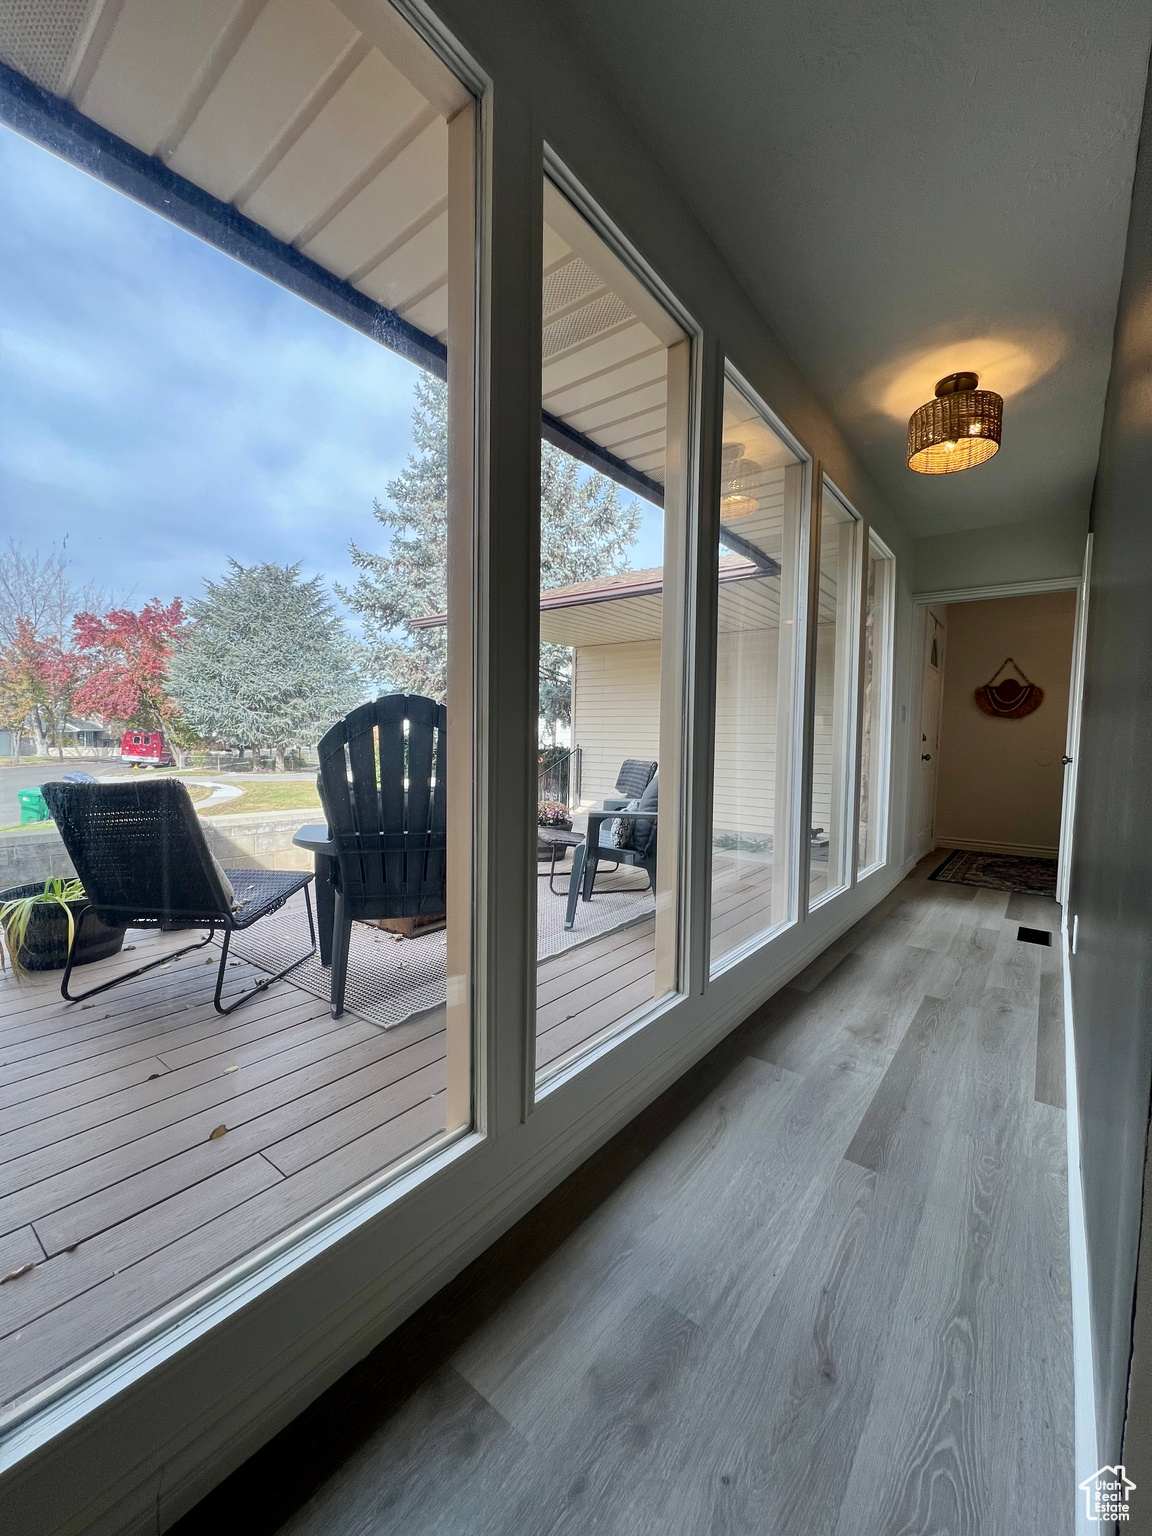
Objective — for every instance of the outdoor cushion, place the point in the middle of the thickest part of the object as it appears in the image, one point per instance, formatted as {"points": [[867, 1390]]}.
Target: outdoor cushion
{"points": [[621, 828], [635, 773], [644, 832]]}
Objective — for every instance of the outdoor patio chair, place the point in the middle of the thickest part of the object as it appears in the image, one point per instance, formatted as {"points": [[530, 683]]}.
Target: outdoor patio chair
{"points": [[635, 775], [383, 786], [639, 850], [142, 857]]}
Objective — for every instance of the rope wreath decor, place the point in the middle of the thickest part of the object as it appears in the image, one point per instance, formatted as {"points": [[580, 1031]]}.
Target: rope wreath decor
{"points": [[1009, 699]]}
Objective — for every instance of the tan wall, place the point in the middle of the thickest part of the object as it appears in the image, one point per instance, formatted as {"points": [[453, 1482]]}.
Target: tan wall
{"points": [[615, 714], [1001, 781], [615, 711]]}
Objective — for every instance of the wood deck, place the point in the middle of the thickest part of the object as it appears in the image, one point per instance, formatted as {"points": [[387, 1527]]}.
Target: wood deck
{"points": [[112, 1187]]}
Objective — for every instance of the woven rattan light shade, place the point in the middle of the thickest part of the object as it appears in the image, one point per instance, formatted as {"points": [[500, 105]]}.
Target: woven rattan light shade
{"points": [[957, 430], [739, 478]]}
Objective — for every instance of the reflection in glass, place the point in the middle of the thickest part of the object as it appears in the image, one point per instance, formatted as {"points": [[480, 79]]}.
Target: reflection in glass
{"points": [[761, 497], [876, 691], [833, 729]]}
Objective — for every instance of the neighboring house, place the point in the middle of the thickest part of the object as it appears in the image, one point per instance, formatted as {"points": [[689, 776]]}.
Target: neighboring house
{"points": [[87, 738], [613, 626], [77, 738]]}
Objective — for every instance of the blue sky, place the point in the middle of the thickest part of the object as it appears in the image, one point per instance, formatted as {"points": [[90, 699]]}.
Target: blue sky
{"points": [[167, 408]]}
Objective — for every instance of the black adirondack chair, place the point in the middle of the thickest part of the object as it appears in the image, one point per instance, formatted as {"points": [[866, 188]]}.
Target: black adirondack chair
{"points": [[144, 862], [383, 782]]}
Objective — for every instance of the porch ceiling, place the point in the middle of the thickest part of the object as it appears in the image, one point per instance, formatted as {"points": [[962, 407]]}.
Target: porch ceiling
{"points": [[904, 191], [326, 124]]}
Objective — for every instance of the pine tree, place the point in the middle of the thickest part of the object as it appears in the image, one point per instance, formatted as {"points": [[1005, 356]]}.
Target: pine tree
{"points": [[585, 533], [265, 661]]}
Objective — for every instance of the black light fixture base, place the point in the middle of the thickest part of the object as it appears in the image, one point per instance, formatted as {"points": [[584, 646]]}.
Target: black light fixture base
{"points": [[956, 384]]}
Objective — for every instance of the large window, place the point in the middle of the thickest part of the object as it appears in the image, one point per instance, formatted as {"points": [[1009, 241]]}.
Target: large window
{"points": [[762, 505], [876, 696], [836, 619], [616, 372], [240, 519]]}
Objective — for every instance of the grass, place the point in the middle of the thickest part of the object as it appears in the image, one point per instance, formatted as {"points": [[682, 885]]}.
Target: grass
{"points": [[300, 796]]}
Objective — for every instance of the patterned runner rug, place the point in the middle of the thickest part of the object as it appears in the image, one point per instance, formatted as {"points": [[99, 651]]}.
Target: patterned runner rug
{"points": [[1019, 873]]}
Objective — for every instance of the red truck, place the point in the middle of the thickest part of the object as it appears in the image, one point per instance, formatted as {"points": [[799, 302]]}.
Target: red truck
{"points": [[146, 749]]}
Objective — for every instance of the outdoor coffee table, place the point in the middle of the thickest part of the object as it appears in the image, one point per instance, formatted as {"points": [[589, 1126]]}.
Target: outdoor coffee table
{"points": [[557, 841]]}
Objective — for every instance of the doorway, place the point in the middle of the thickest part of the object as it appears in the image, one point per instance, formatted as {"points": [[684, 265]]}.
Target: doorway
{"points": [[993, 780]]}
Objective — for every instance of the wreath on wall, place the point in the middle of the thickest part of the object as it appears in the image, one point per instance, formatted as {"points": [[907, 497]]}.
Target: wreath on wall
{"points": [[1011, 698]]}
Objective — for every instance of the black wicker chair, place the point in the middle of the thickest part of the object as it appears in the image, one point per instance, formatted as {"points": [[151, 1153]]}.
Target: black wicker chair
{"points": [[144, 862], [383, 782]]}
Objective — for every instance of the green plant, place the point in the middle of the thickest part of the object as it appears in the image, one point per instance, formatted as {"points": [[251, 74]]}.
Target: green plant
{"points": [[16, 914]]}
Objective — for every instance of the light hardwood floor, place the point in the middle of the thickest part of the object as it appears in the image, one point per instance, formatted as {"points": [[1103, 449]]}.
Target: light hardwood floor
{"points": [[821, 1288]]}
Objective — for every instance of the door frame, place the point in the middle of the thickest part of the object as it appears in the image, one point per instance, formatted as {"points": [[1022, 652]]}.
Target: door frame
{"points": [[924, 601], [916, 807], [1072, 740]]}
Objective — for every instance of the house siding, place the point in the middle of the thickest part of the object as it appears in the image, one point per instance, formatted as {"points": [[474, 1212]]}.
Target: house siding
{"points": [[616, 714]]}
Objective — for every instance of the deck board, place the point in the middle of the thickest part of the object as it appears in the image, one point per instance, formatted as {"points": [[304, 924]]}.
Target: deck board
{"points": [[110, 1182]]}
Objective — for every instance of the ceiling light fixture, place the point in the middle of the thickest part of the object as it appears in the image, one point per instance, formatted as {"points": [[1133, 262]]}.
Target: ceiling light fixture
{"points": [[737, 484], [957, 430]]}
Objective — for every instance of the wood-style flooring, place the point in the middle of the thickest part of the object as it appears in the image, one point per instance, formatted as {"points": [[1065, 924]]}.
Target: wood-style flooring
{"points": [[820, 1288]]}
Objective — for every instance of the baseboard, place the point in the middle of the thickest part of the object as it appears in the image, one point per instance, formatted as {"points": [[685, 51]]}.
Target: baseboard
{"points": [[986, 845], [1085, 1445]]}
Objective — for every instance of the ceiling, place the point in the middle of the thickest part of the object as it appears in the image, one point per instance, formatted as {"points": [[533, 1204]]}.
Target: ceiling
{"points": [[905, 190]]}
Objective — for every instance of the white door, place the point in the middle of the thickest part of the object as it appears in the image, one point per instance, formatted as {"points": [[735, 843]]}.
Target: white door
{"points": [[929, 753], [1072, 747]]}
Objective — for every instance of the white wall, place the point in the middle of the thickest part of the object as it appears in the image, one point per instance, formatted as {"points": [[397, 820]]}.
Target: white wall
{"points": [[1001, 781]]}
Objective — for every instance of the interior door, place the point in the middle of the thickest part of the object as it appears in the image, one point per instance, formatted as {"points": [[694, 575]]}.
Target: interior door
{"points": [[1072, 747], [931, 698]]}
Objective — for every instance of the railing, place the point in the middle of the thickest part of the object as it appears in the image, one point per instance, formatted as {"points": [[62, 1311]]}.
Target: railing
{"points": [[559, 777]]}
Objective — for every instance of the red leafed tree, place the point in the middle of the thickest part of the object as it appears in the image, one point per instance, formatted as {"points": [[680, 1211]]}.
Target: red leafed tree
{"points": [[124, 658], [37, 685]]}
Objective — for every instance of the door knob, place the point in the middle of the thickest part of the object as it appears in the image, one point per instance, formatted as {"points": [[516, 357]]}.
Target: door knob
{"points": [[925, 757], [1065, 760]]}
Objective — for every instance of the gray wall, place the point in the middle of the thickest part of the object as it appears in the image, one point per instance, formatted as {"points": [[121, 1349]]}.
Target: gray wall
{"points": [[1111, 890], [1050, 550]]}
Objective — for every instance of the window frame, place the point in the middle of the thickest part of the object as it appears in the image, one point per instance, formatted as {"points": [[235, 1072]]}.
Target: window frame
{"points": [[798, 757], [541, 1086], [884, 633], [855, 621], [55, 125]]}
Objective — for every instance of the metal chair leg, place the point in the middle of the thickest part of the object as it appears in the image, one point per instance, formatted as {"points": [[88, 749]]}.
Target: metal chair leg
{"points": [[341, 932], [265, 982], [78, 997], [579, 853]]}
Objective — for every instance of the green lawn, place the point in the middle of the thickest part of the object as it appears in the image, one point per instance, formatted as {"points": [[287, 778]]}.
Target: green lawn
{"points": [[300, 796]]}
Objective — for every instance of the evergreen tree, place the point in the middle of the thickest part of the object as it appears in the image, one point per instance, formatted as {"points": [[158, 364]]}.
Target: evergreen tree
{"points": [[265, 661], [585, 533]]}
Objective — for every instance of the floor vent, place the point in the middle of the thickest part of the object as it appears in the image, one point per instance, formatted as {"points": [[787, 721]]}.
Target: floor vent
{"points": [[1034, 935]]}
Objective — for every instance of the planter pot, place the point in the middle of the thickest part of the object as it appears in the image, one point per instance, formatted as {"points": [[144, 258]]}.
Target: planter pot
{"points": [[45, 946]]}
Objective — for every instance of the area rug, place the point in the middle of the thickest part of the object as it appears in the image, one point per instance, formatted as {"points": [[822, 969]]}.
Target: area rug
{"points": [[390, 981], [1015, 872]]}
